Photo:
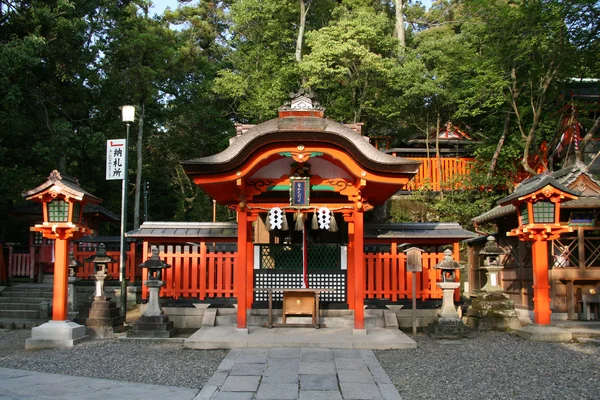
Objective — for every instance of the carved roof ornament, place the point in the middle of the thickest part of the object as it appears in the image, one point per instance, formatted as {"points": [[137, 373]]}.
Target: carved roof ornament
{"points": [[302, 101]]}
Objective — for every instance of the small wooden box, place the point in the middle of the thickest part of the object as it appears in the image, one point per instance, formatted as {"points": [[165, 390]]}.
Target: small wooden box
{"points": [[298, 303]]}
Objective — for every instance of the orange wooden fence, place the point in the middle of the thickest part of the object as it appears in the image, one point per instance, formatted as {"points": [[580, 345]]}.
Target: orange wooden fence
{"points": [[387, 278], [451, 171], [195, 272], [132, 270], [22, 264]]}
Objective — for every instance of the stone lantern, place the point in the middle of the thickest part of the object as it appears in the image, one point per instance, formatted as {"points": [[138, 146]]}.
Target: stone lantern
{"points": [[74, 265], [63, 200], [492, 264], [492, 309], [105, 317], [448, 324], [153, 322]]}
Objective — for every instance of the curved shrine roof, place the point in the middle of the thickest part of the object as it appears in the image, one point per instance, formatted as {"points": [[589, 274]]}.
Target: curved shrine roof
{"points": [[298, 130]]}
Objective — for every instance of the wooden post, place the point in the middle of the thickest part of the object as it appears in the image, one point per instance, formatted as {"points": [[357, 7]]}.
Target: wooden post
{"points": [[350, 271], [59, 297], [240, 273], [359, 271], [541, 298]]}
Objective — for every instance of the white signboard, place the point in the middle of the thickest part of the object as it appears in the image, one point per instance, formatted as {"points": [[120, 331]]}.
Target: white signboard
{"points": [[116, 151]]}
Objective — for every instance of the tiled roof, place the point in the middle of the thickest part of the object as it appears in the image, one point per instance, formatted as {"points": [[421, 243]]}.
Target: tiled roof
{"points": [[62, 184], [185, 230], [418, 231], [534, 184]]}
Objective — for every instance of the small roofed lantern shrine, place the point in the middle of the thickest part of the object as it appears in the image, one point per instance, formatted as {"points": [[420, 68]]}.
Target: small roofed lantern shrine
{"points": [[301, 163], [153, 322], [62, 201], [448, 323], [537, 201]]}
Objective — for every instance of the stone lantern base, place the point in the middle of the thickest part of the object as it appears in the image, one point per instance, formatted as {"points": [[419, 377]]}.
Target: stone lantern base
{"points": [[493, 311], [153, 323], [157, 326], [448, 324], [104, 319]]}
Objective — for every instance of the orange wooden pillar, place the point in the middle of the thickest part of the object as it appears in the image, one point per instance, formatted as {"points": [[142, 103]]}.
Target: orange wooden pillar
{"points": [[541, 287], [250, 261], [350, 270], [456, 256], [59, 296], [240, 272], [359, 271]]}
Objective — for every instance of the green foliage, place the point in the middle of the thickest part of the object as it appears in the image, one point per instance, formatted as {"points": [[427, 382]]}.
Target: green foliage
{"points": [[66, 67]]}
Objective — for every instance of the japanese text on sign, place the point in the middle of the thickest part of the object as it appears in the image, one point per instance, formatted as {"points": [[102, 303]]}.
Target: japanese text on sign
{"points": [[116, 151], [299, 192]]}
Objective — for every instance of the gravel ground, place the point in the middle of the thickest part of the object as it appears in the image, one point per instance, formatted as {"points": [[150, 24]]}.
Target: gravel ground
{"points": [[491, 365], [494, 365], [153, 363]]}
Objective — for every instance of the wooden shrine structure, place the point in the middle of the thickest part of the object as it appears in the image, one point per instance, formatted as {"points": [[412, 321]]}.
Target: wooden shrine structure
{"points": [[574, 255], [290, 169]]}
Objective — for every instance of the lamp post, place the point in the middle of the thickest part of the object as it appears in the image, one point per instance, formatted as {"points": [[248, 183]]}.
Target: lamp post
{"points": [[128, 116], [537, 201], [63, 201]]}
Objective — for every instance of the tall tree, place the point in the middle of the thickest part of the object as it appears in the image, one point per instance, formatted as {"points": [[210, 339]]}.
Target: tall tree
{"points": [[139, 60]]}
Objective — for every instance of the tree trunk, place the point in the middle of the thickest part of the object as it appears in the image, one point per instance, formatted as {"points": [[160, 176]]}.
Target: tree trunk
{"points": [[138, 174], [437, 154], [499, 146], [303, 11], [399, 28], [588, 136]]}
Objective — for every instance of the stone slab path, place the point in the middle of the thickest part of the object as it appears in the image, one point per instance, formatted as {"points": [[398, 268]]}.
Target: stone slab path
{"points": [[299, 373]]}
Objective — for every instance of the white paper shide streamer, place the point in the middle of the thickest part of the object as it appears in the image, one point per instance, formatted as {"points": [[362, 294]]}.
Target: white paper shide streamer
{"points": [[275, 218], [324, 217]]}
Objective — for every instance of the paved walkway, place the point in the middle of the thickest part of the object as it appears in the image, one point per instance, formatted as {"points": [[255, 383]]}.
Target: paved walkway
{"points": [[228, 337], [252, 374], [299, 373], [17, 384]]}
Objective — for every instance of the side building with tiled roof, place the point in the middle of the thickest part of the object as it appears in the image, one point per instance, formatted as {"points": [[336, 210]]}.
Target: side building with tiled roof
{"points": [[574, 272]]}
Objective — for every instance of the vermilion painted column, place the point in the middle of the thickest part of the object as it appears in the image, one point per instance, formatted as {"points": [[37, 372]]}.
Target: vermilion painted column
{"points": [[541, 287], [240, 271], [456, 255], [59, 296], [359, 271], [350, 270]]}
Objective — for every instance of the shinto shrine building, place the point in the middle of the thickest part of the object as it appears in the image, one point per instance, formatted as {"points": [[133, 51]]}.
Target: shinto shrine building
{"points": [[300, 185]]}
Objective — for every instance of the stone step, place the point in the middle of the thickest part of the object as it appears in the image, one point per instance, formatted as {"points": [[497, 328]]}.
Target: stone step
{"points": [[584, 332], [577, 324], [29, 288], [25, 300], [19, 306], [21, 323], [24, 314], [21, 293]]}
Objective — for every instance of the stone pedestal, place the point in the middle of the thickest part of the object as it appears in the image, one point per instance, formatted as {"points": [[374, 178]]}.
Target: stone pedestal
{"points": [[153, 323], [72, 298], [544, 333], [448, 324], [104, 319], [493, 311], [55, 334]]}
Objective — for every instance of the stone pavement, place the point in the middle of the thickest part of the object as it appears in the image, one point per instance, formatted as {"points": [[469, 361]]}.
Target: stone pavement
{"points": [[299, 373], [19, 384], [252, 374]]}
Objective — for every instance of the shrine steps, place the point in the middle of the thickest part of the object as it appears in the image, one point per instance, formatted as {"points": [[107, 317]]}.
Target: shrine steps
{"points": [[25, 306], [329, 318]]}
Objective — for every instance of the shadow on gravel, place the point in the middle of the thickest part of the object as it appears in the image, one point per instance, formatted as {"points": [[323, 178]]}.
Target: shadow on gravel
{"points": [[493, 365]]}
